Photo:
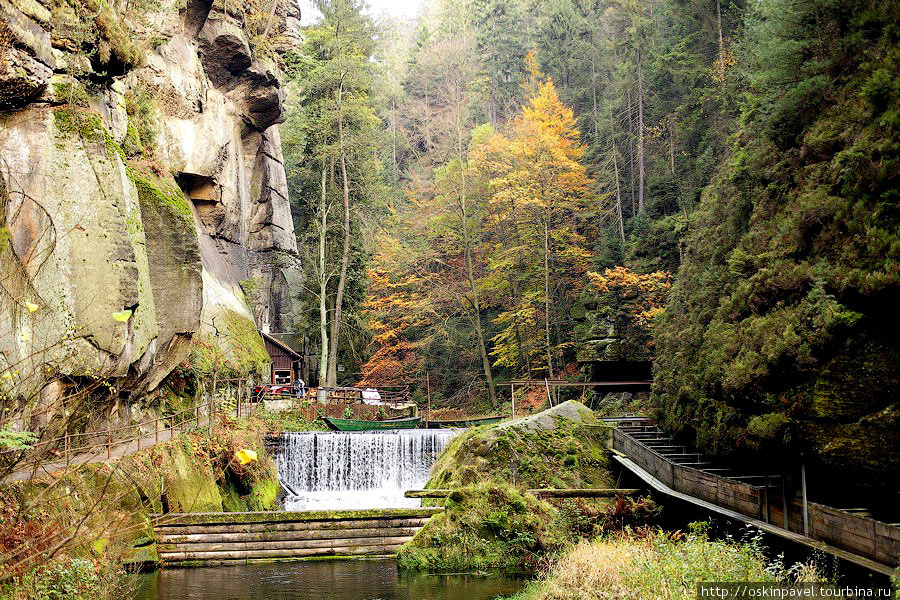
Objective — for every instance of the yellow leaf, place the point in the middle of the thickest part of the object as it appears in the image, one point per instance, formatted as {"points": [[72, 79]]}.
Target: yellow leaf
{"points": [[31, 306], [99, 545], [122, 315], [245, 456]]}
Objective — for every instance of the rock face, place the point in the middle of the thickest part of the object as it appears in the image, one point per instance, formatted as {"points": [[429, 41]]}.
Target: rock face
{"points": [[143, 200]]}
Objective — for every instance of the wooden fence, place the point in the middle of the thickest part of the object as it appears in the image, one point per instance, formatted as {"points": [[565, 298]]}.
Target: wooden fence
{"points": [[857, 534]]}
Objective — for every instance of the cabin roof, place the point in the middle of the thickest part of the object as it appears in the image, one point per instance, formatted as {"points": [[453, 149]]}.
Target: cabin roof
{"points": [[280, 344]]}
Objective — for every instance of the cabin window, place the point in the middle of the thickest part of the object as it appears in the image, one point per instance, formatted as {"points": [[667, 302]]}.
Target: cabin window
{"points": [[282, 377]]}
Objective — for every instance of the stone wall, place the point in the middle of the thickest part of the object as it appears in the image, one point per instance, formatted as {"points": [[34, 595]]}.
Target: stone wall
{"points": [[143, 209]]}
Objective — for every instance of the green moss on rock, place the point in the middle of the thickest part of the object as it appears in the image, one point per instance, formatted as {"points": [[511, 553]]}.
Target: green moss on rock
{"points": [[163, 193], [238, 349], [570, 454], [492, 522], [71, 121]]}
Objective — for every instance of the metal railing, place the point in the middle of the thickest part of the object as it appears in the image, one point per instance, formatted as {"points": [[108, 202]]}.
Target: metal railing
{"points": [[342, 394], [144, 434]]}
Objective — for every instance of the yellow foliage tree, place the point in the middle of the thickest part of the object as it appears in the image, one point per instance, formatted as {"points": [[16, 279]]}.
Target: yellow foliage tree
{"points": [[537, 187]]}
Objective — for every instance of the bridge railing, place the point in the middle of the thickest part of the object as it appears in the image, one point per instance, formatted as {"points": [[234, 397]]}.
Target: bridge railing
{"points": [[858, 534]]}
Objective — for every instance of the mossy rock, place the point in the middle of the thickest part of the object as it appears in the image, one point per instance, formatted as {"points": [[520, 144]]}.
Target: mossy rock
{"points": [[544, 450], [163, 193]]}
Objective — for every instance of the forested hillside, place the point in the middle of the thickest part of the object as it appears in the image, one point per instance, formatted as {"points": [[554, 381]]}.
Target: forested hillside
{"points": [[503, 189]]}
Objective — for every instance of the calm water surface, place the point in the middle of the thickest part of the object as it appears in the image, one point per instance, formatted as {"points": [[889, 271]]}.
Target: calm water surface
{"points": [[319, 580]]}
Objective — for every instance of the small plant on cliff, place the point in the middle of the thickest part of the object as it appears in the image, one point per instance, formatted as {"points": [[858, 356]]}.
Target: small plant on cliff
{"points": [[140, 137], [16, 440]]}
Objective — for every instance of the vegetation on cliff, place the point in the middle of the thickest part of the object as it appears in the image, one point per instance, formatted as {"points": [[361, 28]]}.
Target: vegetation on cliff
{"points": [[780, 331]]}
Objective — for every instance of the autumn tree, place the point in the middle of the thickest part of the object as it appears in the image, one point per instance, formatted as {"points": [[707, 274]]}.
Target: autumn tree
{"points": [[537, 187]]}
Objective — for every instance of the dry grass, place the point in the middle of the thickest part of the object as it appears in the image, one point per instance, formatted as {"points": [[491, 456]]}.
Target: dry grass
{"points": [[591, 569], [654, 566]]}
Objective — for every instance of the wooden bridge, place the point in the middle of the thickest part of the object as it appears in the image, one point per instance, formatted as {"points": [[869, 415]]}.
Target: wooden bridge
{"points": [[760, 500], [190, 539]]}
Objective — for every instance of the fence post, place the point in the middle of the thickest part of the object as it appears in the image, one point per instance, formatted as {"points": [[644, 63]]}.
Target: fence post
{"points": [[108, 442], [785, 500], [156, 430], [171, 427], [805, 509], [138, 439], [66, 444]]}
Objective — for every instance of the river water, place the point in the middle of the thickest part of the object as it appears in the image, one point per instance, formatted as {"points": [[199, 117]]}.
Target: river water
{"points": [[319, 580], [335, 471]]}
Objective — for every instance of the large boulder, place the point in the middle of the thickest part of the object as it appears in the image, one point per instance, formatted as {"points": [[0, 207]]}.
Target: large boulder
{"points": [[560, 447]]}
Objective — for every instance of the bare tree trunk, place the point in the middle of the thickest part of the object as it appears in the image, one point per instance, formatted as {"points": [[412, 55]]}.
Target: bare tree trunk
{"points": [[345, 252], [524, 351], [631, 153], [640, 134], [621, 217], [467, 246], [547, 295], [394, 139], [594, 88], [721, 37], [323, 287], [672, 145]]}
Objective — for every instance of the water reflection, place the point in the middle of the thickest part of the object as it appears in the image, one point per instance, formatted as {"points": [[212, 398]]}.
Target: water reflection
{"points": [[319, 580]]}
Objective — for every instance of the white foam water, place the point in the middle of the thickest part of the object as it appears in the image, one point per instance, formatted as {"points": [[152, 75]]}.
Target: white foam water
{"points": [[340, 471]]}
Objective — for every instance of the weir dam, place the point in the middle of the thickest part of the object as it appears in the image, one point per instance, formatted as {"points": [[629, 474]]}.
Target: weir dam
{"points": [[344, 497]]}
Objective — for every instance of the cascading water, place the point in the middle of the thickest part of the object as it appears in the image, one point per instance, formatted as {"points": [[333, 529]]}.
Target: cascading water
{"points": [[357, 470]]}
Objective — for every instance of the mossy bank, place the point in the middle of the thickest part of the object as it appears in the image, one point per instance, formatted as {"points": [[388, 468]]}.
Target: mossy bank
{"points": [[103, 511], [493, 522]]}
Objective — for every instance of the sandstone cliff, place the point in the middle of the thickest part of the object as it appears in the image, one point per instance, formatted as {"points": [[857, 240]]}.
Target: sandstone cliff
{"points": [[144, 219]]}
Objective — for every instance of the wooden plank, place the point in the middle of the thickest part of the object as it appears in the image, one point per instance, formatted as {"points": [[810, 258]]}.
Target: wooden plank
{"points": [[887, 543], [282, 517], [582, 492], [281, 545], [175, 557], [844, 530], [434, 493], [275, 536], [741, 497], [293, 526]]}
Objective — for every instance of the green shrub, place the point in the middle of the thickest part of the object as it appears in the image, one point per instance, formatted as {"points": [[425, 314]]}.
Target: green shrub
{"points": [[69, 579]]}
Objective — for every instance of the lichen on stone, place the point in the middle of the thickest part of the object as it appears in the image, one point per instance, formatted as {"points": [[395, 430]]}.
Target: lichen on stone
{"points": [[236, 349]]}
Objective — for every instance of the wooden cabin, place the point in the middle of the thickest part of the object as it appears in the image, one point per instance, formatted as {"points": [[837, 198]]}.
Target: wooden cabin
{"points": [[286, 362]]}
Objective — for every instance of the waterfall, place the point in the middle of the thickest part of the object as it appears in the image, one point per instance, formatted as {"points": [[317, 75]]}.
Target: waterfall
{"points": [[357, 470]]}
